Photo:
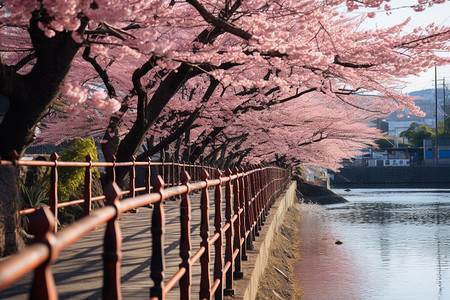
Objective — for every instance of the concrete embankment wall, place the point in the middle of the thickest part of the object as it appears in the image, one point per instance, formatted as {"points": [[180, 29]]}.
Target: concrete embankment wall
{"points": [[253, 268], [407, 177]]}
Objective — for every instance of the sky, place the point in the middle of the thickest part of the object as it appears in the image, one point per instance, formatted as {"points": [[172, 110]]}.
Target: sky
{"points": [[438, 13]]}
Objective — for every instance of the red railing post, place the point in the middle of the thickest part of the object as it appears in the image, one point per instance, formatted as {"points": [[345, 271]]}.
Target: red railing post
{"points": [[132, 177], [174, 180], [88, 187], [112, 173], [148, 175], [258, 199], [266, 186], [237, 230], [53, 193], [205, 285], [218, 260], [162, 155], [185, 239], [228, 238], [42, 224], [260, 187], [254, 199], [248, 213], [158, 221], [179, 180], [243, 215], [111, 247]]}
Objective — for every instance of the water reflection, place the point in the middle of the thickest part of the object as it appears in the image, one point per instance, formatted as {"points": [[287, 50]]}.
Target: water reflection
{"points": [[396, 246]]}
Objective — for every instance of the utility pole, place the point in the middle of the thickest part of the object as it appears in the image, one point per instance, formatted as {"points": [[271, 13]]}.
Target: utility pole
{"points": [[436, 117], [445, 110]]}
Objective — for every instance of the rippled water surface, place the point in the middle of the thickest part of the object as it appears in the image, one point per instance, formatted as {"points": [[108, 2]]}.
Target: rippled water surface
{"points": [[395, 245]]}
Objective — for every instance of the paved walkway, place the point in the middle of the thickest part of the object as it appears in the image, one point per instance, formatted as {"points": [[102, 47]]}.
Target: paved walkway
{"points": [[78, 271]]}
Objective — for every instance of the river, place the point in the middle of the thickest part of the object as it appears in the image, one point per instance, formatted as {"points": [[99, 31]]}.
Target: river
{"points": [[382, 244]]}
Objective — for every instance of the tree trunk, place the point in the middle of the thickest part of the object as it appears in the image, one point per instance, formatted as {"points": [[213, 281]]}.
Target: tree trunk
{"points": [[30, 97], [10, 238]]}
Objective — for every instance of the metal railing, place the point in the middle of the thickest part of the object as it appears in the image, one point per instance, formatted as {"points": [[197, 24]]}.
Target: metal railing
{"points": [[248, 196], [169, 171]]}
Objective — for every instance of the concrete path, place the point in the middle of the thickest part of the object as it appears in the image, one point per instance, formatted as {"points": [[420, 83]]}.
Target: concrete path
{"points": [[78, 270]]}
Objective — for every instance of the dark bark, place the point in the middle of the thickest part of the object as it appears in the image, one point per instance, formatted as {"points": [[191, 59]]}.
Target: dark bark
{"points": [[168, 87], [180, 130], [177, 150], [10, 231], [31, 95], [166, 90], [187, 150], [211, 158], [200, 148]]}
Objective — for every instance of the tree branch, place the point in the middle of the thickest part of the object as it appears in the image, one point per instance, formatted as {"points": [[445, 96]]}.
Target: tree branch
{"points": [[351, 65], [223, 25], [140, 90], [185, 126], [24, 61], [102, 73]]}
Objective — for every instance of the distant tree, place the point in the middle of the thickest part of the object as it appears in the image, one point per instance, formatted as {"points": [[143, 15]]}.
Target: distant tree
{"points": [[409, 133], [444, 128], [416, 134]]}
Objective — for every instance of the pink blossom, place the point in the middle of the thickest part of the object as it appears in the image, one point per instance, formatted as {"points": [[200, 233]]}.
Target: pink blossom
{"points": [[74, 93], [72, 110], [111, 106], [77, 37]]}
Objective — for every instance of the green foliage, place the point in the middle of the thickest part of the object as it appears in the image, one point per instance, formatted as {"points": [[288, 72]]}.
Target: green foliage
{"points": [[417, 133], [444, 128], [409, 133], [32, 196], [71, 179]]}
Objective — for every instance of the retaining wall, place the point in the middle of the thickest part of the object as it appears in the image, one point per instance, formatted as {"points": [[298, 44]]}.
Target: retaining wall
{"points": [[414, 176], [253, 268]]}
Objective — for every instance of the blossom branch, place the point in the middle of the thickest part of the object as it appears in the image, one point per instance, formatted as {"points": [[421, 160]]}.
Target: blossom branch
{"points": [[225, 26]]}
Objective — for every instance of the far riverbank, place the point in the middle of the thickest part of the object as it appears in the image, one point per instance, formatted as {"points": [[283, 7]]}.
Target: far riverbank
{"points": [[392, 177]]}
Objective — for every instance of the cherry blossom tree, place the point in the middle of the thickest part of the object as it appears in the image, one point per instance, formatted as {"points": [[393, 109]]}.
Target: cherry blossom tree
{"points": [[142, 54], [120, 68]]}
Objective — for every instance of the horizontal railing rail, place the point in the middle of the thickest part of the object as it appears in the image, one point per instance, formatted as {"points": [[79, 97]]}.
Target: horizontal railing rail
{"points": [[169, 171], [248, 196]]}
